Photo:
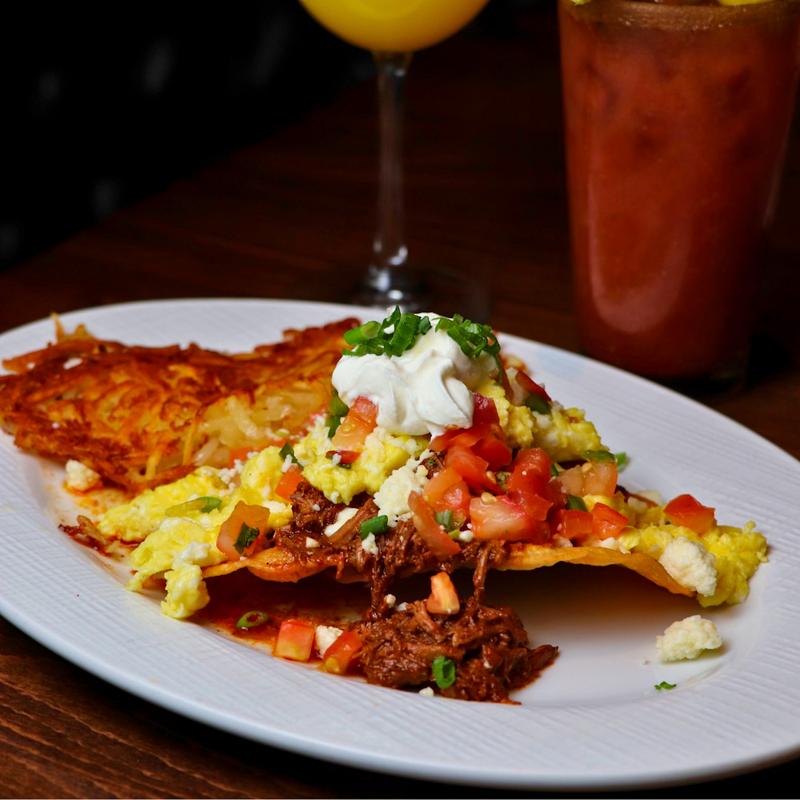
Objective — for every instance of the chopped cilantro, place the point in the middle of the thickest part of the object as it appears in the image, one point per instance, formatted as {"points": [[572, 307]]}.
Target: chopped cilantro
{"points": [[598, 455], [622, 460], [444, 671], [538, 404], [664, 685], [336, 411], [554, 470]]}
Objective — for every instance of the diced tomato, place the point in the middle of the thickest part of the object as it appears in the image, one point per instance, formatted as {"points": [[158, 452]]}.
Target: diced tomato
{"points": [[531, 471], [345, 456], [484, 411], [493, 450], [429, 530], [239, 454], [359, 422], [685, 510], [572, 524], [606, 522], [440, 483], [593, 477], [295, 640], [443, 598], [531, 387], [253, 517], [456, 499], [536, 506], [600, 478], [339, 655], [502, 518], [471, 468], [289, 482]]}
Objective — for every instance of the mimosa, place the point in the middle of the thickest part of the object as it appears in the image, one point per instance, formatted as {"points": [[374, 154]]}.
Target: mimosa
{"points": [[394, 26]]}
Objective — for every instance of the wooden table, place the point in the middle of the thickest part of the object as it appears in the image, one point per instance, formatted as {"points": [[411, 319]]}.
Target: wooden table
{"points": [[293, 217]]}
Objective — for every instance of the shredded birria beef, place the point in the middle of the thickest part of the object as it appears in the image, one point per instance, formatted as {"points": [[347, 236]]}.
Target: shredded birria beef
{"points": [[488, 647]]}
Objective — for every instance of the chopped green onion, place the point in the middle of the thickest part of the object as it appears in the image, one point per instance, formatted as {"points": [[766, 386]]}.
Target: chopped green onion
{"points": [[622, 460], [444, 671], [665, 685], [598, 455], [554, 470], [202, 504], [575, 503], [252, 619], [537, 404], [363, 333], [336, 405], [445, 519], [246, 537], [288, 450], [375, 525]]}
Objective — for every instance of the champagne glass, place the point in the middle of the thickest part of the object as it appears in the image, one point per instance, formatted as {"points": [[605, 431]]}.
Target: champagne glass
{"points": [[392, 30]]}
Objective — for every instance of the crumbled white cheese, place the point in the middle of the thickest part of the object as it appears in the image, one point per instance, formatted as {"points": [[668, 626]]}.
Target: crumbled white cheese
{"points": [[369, 545], [392, 497], [342, 517], [315, 507], [80, 478], [311, 543], [324, 637], [193, 553], [336, 459], [691, 565], [402, 607], [687, 638], [427, 692], [466, 536], [561, 541], [390, 600], [287, 463], [72, 362]]}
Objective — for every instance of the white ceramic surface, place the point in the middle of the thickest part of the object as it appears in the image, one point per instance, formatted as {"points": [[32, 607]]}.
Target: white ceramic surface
{"points": [[593, 720]]}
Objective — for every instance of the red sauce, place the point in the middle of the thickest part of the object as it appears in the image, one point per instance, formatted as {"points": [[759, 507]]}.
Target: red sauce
{"points": [[318, 599], [676, 121]]}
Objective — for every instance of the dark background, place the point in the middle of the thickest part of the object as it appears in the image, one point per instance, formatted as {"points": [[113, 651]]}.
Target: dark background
{"points": [[105, 105]]}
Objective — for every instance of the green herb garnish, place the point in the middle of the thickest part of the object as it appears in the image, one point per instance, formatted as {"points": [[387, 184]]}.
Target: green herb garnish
{"points": [[554, 470], [202, 504], [445, 519], [575, 503], [444, 671], [252, 619], [336, 411], [537, 404], [399, 332], [375, 525], [665, 685], [288, 450], [622, 460], [246, 537], [598, 455]]}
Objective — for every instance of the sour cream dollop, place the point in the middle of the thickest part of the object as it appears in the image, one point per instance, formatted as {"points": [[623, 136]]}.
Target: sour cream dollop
{"points": [[423, 391]]}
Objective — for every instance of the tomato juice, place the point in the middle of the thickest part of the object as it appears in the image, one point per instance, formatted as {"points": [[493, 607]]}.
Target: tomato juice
{"points": [[676, 121]]}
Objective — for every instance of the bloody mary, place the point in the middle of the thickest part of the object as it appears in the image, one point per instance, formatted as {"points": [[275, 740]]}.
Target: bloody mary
{"points": [[676, 122]]}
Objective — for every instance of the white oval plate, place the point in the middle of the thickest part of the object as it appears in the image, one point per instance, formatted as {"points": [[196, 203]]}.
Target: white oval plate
{"points": [[593, 720]]}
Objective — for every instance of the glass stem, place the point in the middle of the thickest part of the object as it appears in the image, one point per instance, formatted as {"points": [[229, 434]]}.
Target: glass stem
{"points": [[389, 248]]}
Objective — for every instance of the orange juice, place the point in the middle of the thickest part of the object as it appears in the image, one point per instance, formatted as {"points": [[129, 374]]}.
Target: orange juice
{"points": [[394, 26]]}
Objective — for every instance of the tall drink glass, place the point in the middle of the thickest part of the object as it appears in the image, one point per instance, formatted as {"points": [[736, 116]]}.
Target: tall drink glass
{"points": [[676, 121], [392, 30]]}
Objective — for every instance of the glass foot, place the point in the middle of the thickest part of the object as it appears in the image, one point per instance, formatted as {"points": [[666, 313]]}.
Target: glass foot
{"points": [[417, 289]]}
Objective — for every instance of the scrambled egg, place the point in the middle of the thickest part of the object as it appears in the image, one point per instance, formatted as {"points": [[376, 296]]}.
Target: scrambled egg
{"points": [[383, 453], [178, 547], [737, 553], [564, 433]]}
